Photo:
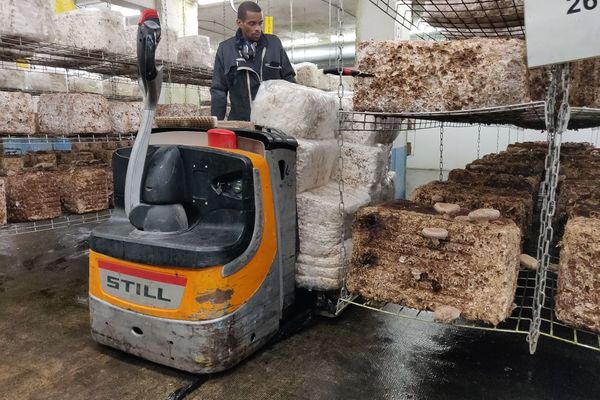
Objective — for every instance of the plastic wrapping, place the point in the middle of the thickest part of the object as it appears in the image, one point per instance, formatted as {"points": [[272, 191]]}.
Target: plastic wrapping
{"points": [[365, 167], [77, 84], [320, 232], [98, 29], [166, 50], [315, 160], [195, 51], [296, 110], [28, 19], [12, 79], [307, 74], [45, 82]]}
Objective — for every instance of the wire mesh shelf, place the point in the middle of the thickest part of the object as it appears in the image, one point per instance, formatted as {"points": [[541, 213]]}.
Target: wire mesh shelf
{"points": [[64, 221], [18, 49], [519, 322], [526, 115], [354, 121], [457, 19]]}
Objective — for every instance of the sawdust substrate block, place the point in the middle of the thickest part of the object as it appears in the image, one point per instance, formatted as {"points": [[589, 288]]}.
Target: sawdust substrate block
{"points": [[32, 197], [84, 189], [578, 295], [474, 270], [495, 180], [3, 218]]}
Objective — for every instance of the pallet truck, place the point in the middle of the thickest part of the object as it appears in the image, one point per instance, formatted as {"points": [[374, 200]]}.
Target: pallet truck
{"points": [[195, 268]]}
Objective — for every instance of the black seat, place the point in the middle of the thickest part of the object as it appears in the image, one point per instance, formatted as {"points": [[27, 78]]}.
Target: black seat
{"points": [[218, 196]]}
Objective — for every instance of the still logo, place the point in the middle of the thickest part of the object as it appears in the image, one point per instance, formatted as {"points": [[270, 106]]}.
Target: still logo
{"points": [[141, 286]]}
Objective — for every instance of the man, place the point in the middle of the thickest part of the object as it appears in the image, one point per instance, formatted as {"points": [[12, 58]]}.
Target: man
{"points": [[243, 62]]}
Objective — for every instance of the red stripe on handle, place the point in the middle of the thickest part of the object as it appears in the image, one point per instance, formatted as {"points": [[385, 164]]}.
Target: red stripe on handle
{"points": [[148, 13], [140, 273]]}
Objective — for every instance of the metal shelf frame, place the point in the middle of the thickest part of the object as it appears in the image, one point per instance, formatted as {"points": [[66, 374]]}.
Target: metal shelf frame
{"points": [[64, 221], [18, 49], [457, 19], [519, 322]]}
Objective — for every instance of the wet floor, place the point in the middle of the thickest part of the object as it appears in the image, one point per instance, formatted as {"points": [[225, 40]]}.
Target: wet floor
{"points": [[46, 351]]}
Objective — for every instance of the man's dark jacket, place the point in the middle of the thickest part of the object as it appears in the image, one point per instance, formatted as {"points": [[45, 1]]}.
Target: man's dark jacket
{"points": [[241, 78]]}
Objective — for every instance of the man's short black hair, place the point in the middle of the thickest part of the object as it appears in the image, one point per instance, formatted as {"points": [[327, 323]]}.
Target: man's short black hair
{"points": [[247, 6]]}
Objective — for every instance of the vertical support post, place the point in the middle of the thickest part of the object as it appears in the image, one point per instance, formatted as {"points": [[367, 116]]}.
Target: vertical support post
{"points": [[557, 114]]}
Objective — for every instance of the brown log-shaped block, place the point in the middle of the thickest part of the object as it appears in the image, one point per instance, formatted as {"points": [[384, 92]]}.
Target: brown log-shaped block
{"points": [[32, 197], [11, 164], [496, 180], [84, 189], [3, 218], [578, 296], [513, 204], [474, 269]]}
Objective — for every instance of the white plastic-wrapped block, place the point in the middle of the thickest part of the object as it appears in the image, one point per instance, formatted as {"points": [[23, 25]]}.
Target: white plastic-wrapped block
{"points": [[315, 160], [77, 84], [16, 114], [73, 113], [167, 48], [12, 79], [330, 82], [194, 51], [364, 166], [125, 117], [123, 88], [28, 19], [296, 110], [321, 273], [319, 222], [307, 74], [99, 29], [45, 82], [185, 94]]}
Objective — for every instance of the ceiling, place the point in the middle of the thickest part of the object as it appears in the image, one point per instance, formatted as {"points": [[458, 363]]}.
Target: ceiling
{"points": [[310, 19]]}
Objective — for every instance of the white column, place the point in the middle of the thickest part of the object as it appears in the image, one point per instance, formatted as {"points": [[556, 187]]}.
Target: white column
{"points": [[182, 16]]}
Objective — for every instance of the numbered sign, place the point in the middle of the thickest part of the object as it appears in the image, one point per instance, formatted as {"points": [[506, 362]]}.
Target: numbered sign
{"points": [[559, 31]]}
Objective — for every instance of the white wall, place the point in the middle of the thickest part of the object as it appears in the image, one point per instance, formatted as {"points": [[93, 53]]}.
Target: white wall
{"points": [[460, 147]]}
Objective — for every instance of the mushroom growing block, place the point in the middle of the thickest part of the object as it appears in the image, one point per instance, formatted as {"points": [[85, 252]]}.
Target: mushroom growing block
{"points": [[441, 76], [410, 255], [513, 204], [578, 296]]}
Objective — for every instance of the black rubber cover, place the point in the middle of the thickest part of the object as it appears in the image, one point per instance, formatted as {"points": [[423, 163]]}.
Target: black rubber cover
{"points": [[218, 197]]}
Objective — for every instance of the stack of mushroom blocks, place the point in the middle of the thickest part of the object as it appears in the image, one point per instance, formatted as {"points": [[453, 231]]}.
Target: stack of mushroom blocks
{"points": [[457, 246], [310, 115]]}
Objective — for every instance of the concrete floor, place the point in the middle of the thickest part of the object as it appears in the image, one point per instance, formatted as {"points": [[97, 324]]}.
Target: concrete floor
{"points": [[46, 351]]}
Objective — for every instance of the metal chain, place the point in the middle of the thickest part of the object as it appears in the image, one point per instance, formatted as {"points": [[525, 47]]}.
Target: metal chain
{"points": [[441, 178], [224, 24], [478, 140], [557, 115], [292, 29], [163, 4], [340, 143], [497, 139]]}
